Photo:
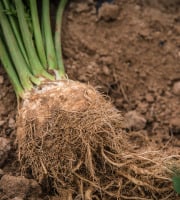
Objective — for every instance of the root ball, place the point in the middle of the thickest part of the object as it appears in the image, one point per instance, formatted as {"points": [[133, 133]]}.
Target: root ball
{"points": [[70, 137]]}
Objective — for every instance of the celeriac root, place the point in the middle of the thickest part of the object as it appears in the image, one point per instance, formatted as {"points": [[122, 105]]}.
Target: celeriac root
{"points": [[70, 136]]}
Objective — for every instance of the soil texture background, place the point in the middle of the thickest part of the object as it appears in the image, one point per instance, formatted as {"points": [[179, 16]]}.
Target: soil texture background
{"points": [[129, 51]]}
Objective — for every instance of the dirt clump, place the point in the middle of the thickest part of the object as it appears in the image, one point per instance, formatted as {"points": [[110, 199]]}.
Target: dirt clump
{"points": [[134, 121], [176, 88], [175, 125], [108, 12], [19, 187]]}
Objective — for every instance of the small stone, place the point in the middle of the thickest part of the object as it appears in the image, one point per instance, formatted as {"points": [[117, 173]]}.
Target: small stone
{"points": [[176, 88], [2, 122], [137, 7], [102, 52], [149, 98], [134, 121], [108, 12], [179, 53], [175, 125], [11, 123], [17, 198], [1, 79], [168, 93], [143, 75], [105, 70], [107, 60], [5, 147], [20, 187]]}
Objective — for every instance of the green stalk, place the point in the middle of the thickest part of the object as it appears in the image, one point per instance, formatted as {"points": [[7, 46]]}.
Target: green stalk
{"points": [[17, 48], [47, 33], [15, 30], [37, 33], [58, 45], [19, 62], [35, 63], [4, 57], [176, 183]]}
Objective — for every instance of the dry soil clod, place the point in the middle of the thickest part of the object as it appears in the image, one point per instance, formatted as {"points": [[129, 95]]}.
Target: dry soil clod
{"points": [[20, 186]]}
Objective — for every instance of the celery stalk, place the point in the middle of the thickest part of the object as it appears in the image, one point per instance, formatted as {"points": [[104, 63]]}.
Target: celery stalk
{"points": [[49, 43], [23, 54], [10, 70], [16, 55], [58, 45], [37, 33], [15, 30], [35, 63]]}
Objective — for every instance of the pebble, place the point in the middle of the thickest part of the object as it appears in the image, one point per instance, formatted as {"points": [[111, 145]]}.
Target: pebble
{"points": [[176, 88], [102, 52], [175, 124], [107, 60], [11, 123], [149, 98], [2, 122], [178, 53], [1, 79], [105, 70], [143, 75], [137, 7], [108, 12], [5, 147], [134, 121], [17, 198], [19, 187]]}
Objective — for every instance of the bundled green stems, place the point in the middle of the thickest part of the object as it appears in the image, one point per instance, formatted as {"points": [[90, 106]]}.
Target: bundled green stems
{"points": [[29, 52]]}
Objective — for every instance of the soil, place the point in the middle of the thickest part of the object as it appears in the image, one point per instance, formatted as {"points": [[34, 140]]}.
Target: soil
{"points": [[129, 51]]}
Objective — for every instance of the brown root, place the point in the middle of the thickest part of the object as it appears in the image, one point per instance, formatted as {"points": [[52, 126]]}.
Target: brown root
{"points": [[68, 134]]}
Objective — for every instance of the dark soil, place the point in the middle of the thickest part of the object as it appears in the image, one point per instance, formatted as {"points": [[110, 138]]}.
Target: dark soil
{"points": [[129, 51]]}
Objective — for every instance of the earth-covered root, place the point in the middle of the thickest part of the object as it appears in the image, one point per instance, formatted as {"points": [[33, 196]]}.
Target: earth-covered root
{"points": [[71, 138]]}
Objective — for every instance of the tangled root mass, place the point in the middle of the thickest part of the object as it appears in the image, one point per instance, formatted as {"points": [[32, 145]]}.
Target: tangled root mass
{"points": [[70, 136]]}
